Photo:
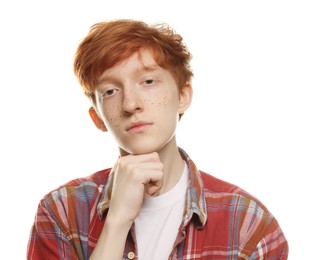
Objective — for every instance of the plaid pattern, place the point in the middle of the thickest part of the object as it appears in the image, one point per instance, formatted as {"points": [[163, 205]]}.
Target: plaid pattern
{"points": [[221, 221]]}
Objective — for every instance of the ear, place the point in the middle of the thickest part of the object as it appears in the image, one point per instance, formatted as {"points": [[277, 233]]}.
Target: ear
{"points": [[186, 94], [97, 120]]}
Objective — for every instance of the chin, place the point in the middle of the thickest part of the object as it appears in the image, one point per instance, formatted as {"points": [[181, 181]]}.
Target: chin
{"points": [[137, 151], [141, 148]]}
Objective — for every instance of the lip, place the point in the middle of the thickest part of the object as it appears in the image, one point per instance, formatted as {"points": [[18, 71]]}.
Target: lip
{"points": [[138, 126]]}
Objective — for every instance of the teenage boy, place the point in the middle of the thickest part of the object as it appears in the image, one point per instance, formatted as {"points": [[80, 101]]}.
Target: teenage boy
{"points": [[154, 203]]}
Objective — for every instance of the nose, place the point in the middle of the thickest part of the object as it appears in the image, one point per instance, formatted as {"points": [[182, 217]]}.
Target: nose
{"points": [[132, 101]]}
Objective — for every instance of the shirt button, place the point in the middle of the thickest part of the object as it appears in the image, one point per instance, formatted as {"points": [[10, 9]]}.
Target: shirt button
{"points": [[131, 255]]}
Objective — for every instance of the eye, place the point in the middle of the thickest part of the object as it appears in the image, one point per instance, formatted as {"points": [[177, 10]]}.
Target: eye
{"points": [[109, 92], [149, 82]]}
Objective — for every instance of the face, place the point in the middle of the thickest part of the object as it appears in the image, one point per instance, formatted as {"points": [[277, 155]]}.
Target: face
{"points": [[139, 103]]}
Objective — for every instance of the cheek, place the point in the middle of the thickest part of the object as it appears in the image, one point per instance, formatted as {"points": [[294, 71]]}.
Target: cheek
{"points": [[112, 115], [166, 100], [160, 100]]}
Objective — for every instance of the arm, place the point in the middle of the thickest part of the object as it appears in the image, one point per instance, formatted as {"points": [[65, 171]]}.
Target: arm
{"points": [[261, 237], [61, 226], [47, 240], [112, 240], [273, 244], [134, 175]]}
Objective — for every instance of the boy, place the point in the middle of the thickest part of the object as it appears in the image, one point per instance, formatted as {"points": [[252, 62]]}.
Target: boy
{"points": [[154, 203]]}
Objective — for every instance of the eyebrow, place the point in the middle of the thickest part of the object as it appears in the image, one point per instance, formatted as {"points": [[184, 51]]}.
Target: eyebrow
{"points": [[143, 68], [150, 67], [106, 79]]}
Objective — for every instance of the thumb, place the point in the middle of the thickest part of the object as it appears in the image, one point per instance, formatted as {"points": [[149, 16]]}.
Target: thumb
{"points": [[152, 187]]}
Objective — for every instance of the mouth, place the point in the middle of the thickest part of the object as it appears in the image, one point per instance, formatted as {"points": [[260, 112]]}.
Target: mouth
{"points": [[138, 127]]}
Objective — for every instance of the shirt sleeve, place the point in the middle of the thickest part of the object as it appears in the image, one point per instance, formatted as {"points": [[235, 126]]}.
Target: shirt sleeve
{"points": [[61, 229], [48, 239], [266, 241], [273, 244]]}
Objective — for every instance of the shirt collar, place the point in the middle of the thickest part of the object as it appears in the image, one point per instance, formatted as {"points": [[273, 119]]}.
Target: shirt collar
{"points": [[195, 197]]}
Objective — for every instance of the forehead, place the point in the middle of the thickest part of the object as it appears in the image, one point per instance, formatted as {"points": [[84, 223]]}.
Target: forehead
{"points": [[139, 61]]}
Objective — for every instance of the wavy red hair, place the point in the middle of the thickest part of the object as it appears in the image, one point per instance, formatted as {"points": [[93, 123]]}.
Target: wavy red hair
{"points": [[109, 43]]}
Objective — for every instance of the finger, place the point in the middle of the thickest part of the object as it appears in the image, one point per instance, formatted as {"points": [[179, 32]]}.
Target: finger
{"points": [[153, 181], [152, 188], [150, 157]]}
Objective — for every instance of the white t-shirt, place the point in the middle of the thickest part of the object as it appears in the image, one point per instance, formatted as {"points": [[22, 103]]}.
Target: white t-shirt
{"points": [[159, 220]]}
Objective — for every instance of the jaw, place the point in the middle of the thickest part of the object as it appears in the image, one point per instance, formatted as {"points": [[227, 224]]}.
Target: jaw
{"points": [[146, 144]]}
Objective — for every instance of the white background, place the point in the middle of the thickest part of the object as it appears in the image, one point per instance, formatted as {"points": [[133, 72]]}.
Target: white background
{"points": [[249, 124]]}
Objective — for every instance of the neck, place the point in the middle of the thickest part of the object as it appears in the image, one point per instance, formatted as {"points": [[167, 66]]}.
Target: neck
{"points": [[173, 165]]}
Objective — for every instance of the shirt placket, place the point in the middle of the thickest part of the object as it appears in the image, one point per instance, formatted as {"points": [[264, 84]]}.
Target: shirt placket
{"points": [[131, 251], [178, 249]]}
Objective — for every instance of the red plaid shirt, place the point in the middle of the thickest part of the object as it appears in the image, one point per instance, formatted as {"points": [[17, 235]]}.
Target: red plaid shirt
{"points": [[221, 221]]}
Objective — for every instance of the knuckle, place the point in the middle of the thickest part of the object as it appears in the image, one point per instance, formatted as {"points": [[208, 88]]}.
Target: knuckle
{"points": [[161, 166], [155, 156], [136, 175], [128, 168]]}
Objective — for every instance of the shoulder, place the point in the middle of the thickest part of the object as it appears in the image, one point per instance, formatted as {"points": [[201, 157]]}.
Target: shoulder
{"points": [[84, 189], [254, 227], [219, 190], [98, 178], [66, 212]]}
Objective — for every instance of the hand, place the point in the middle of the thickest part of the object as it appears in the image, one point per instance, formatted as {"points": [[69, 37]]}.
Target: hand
{"points": [[134, 176]]}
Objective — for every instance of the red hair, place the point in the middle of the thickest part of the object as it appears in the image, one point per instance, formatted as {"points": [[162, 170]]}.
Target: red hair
{"points": [[108, 43]]}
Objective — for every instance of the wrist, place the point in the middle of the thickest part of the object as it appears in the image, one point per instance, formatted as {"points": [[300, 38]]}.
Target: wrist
{"points": [[117, 223]]}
